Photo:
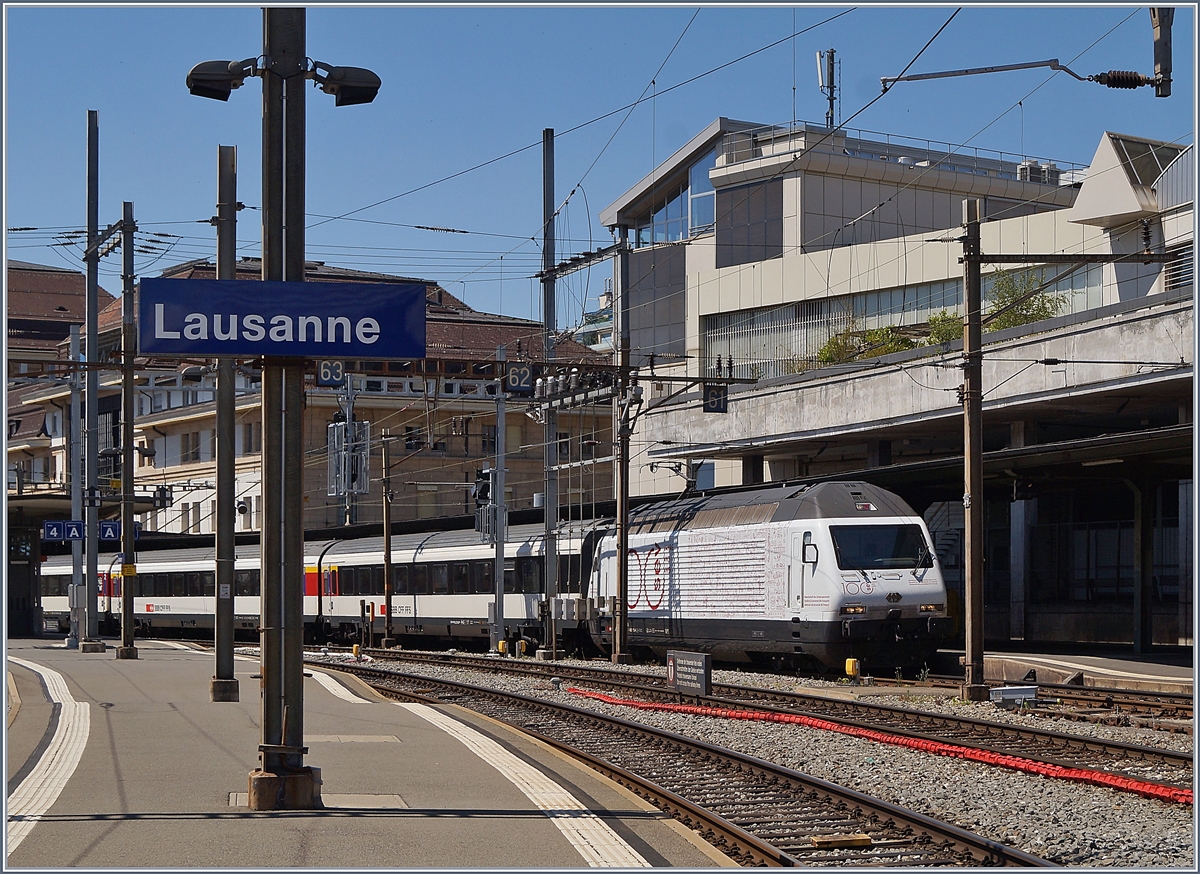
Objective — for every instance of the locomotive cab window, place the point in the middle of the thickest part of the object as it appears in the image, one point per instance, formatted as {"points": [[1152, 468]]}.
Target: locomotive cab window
{"points": [[875, 547]]}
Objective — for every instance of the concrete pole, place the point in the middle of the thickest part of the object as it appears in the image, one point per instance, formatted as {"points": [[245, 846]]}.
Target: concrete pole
{"points": [[283, 782], [498, 508], [91, 629], [76, 466], [549, 325], [1143, 564], [224, 686], [128, 528], [388, 639], [974, 688]]}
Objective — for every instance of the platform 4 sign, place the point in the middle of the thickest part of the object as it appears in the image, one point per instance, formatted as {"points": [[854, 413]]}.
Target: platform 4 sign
{"points": [[246, 318]]}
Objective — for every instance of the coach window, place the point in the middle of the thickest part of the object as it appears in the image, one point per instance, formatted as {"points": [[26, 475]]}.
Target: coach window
{"points": [[195, 585], [419, 578], [485, 579], [377, 579], [460, 578], [511, 582], [209, 581], [441, 579], [399, 579], [176, 586], [243, 584], [531, 575]]}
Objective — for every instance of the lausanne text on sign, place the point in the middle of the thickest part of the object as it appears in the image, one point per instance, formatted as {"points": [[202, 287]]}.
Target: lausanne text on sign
{"points": [[246, 318]]}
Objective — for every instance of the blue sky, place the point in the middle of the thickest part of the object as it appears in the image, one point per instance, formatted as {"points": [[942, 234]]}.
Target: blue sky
{"points": [[465, 86]]}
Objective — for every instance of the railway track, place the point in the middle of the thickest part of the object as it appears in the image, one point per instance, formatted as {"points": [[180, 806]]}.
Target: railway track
{"points": [[1158, 767], [756, 812]]}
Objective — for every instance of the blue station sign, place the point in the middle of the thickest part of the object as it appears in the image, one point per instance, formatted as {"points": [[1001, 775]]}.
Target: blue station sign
{"points": [[211, 318]]}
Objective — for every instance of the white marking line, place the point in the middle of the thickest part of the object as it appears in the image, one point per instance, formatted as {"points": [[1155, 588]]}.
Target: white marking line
{"points": [[42, 786], [337, 688], [596, 842]]}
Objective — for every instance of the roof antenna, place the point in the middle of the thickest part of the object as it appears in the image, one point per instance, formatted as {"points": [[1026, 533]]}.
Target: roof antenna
{"points": [[827, 80]]}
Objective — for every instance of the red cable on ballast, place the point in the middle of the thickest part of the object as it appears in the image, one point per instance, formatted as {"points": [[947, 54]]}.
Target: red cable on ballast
{"points": [[1079, 775]]}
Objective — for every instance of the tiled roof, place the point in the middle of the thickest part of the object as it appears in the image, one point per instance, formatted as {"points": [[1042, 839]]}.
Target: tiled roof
{"points": [[43, 302]]}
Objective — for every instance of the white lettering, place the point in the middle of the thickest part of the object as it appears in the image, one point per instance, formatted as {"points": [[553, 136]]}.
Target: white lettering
{"points": [[339, 321], [161, 333], [231, 334], [195, 326], [252, 327], [281, 329], [367, 330], [304, 322]]}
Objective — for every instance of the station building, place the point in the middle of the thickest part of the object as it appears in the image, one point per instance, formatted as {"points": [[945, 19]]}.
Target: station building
{"points": [[817, 265]]}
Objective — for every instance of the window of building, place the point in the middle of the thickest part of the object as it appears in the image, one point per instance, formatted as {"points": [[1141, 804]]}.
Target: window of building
{"points": [[189, 447], [487, 440], [564, 446], [701, 195], [414, 438], [251, 438]]}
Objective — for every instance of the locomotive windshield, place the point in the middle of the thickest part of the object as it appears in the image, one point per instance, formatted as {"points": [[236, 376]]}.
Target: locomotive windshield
{"points": [[865, 547]]}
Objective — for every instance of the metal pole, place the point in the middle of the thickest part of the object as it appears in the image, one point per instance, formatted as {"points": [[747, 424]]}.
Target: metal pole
{"points": [[348, 446], [224, 686], [498, 508], [388, 640], [128, 533], [283, 782], [549, 319], [974, 688], [831, 78], [76, 465], [620, 653], [91, 629], [620, 646]]}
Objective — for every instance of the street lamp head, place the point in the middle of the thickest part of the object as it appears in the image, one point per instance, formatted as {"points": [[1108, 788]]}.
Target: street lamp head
{"points": [[349, 86], [216, 79]]}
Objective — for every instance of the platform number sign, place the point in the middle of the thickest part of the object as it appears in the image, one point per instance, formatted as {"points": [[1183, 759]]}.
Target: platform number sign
{"points": [[716, 398], [331, 374], [518, 378]]}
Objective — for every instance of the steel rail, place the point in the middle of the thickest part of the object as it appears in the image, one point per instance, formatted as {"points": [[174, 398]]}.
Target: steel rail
{"points": [[981, 734]]}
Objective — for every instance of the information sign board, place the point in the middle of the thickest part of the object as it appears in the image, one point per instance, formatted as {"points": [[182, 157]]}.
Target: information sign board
{"points": [[689, 672], [244, 318]]}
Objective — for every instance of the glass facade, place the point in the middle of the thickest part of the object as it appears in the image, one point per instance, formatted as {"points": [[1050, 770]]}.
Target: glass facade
{"points": [[685, 211]]}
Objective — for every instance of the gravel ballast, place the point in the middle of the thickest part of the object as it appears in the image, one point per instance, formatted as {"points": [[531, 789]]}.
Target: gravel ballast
{"points": [[1067, 823]]}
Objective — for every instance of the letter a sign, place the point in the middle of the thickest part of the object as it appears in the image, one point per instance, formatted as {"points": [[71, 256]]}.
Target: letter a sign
{"points": [[212, 318]]}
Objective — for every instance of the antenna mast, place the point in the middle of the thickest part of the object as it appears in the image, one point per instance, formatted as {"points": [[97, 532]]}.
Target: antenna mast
{"points": [[827, 79]]}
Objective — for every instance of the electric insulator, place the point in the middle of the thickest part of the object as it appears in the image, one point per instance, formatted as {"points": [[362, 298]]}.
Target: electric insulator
{"points": [[1122, 79]]}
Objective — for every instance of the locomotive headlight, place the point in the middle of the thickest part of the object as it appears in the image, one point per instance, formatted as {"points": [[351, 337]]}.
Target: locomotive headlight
{"points": [[932, 608], [853, 609]]}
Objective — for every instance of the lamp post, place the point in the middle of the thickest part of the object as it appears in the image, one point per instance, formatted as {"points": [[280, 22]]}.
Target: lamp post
{"points": [[283, 782]]}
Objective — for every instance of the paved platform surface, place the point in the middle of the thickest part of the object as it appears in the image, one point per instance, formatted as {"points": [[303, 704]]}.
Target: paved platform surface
{"points": [[1165, 672], [129, 764]]}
